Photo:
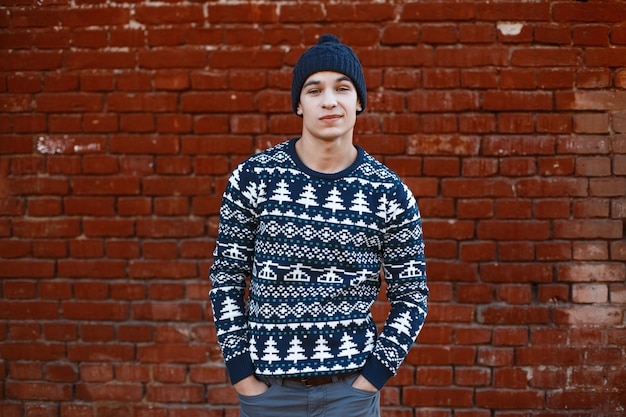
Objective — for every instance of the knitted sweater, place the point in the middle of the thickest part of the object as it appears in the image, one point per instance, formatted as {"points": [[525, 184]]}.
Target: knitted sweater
{"points": [[314, 245]]}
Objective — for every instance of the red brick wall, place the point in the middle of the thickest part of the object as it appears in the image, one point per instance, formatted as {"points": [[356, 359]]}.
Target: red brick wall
{"points": [[120, 122]]}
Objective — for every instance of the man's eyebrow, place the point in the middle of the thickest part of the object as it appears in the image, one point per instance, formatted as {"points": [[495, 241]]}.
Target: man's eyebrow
{"points": [[318, 82], [312, 82]]}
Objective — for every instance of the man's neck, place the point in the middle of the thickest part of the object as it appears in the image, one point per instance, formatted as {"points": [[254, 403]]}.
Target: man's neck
{"points": [[326, 156]]}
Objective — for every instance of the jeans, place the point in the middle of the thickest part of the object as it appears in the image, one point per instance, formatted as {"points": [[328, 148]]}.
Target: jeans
{"points": [[285, 398]]}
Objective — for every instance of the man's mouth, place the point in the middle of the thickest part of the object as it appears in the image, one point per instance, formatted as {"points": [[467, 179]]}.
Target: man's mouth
{"points": [[331, 117]]}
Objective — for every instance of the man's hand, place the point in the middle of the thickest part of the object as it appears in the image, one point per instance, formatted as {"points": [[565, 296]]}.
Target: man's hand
{"points": [[363, 384], [250, 386]]}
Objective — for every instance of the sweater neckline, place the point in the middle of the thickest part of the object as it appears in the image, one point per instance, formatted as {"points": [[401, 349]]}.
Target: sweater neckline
{"points": [[291, 150]]}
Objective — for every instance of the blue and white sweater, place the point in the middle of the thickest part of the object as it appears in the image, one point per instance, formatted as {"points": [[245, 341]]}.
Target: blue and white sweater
{"points": [[313, 245]]}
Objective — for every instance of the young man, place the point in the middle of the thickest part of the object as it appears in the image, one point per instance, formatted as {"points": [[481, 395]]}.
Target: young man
{"points": [[313, 221]]}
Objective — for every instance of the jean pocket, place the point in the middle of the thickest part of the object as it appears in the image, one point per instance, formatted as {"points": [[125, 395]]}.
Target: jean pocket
{"points": [[348, 385], [252, 398]]}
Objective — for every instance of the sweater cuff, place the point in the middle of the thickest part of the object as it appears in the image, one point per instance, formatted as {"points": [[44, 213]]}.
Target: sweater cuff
{"points": [[239, 367], [376, 373]]}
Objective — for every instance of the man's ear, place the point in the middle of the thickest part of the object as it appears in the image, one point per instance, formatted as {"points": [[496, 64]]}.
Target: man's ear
{"points": [[359, 107], [299, 110]]}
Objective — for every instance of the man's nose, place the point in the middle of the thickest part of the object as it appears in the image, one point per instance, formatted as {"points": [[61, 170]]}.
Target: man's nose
{"points": [[329, 99]]}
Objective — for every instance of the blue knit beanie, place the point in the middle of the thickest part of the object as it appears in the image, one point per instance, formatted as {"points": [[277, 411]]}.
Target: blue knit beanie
{"points": [[328, 55]]}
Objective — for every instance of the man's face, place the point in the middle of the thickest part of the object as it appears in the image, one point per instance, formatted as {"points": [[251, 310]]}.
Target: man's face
{"points": [[328, 105]]}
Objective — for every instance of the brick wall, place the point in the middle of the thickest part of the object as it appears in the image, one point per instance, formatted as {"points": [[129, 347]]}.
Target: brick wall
{"points": [[120, 122]]}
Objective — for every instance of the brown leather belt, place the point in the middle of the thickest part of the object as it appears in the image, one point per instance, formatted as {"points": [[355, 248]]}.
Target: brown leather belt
{"points": [[314, 381]]}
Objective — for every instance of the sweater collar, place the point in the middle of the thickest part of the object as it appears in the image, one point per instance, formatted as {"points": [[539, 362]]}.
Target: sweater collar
{"points": [[291, 150]]}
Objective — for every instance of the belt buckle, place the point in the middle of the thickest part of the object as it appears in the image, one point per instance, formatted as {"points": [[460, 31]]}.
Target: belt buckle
{"points": [[305, 382]]}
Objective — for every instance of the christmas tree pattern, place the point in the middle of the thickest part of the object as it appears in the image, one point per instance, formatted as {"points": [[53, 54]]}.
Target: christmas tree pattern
{"points": [[402, 323], [359, 204], [281, 194], [394, 210], [271, 353], [230, 310], [334, 200], [370, 338], [255, 193], [253, 349], [308, 198], [322, 351], [348, 347], [296, 351], [382, 207]]}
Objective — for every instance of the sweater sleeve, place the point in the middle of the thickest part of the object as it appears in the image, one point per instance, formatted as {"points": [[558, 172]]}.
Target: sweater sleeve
{"points": [[232, 265], [405, 274]]}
